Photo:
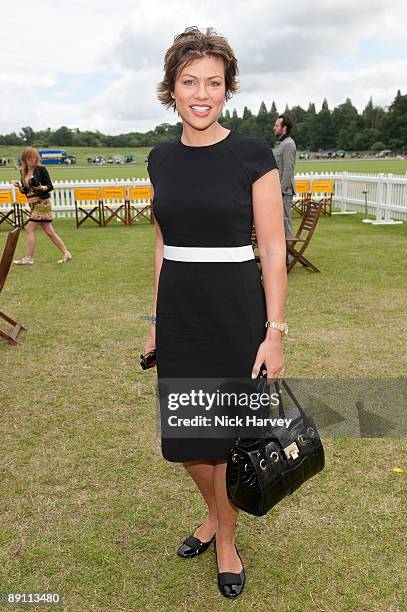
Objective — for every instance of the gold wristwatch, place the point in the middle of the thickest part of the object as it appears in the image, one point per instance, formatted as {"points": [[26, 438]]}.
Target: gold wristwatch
{"points": [[283, 327]]}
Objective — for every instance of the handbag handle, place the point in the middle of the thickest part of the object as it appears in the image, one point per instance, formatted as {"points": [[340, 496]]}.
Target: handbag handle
{"points": [[285, 435]]}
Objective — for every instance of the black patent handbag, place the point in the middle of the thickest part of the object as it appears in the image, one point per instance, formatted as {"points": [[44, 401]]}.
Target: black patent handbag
{"points": [[260, 472]]}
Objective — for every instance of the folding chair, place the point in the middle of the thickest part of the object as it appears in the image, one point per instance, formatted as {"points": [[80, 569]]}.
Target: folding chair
{"points": [[113, 201], [88, 202], [325, 190], [303, 236], [5, 264], [302, 195], [22, 209], [140, 210], [7, 208]]}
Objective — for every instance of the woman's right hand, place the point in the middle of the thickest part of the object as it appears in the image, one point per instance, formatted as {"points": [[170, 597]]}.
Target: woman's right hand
{"points": [[149, 344]]}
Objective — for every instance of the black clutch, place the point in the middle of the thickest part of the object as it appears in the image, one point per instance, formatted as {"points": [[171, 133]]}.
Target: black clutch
{"points": [[149, 360], [260, 472]]}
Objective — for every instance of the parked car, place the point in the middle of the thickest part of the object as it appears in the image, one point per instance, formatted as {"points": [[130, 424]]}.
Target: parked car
{"points": [[341, 153], [99, 160], [118, 159], [385, 153], [325, 155], [129, 158], [305, 155], [3, 161]]}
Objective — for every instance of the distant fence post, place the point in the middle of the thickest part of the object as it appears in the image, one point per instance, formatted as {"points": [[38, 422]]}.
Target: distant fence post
{"points": [[380, 201]]}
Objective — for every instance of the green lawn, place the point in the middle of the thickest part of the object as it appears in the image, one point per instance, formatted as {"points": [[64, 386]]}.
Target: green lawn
{"points": [[89, 506], [83, 171]]}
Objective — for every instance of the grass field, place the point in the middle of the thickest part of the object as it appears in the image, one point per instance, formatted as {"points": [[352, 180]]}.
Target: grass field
{"points": [[89, 506], [138, 169]]}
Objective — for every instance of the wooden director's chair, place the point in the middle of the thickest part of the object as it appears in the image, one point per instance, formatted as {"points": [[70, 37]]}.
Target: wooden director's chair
{"points": [[22, 208], [114, 202], [302, 196], [5, 264], [303, 237], [7, 207], [88, 205], [322, 191], [136, 210]]}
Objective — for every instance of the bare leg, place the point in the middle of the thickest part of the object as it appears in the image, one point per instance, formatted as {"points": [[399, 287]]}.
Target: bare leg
{"points": [[31, 238], [49, 230], [228, 560], [202, 473]]}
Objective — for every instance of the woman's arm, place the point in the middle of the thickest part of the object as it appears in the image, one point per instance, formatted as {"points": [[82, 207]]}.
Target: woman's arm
{"points": [[18, 185], [269, 225], [158, 260], [45, 179]]}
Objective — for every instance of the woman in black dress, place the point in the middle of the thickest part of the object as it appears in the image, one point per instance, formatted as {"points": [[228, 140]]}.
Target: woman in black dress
{"points": [[36, 185], [210, 302]]}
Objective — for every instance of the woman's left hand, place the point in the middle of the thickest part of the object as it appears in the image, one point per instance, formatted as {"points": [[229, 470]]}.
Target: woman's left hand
{"points": [[270, 353]]}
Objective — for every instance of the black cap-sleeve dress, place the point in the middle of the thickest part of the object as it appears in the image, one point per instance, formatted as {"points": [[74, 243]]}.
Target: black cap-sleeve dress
{"points": [[211, 307]]}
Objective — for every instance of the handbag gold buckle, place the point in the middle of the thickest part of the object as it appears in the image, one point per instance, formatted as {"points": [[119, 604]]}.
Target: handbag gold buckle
{"points": [[291, 451]]}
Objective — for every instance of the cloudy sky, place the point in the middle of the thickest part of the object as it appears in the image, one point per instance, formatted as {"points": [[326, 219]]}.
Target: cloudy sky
{"points": [[95, 64]]}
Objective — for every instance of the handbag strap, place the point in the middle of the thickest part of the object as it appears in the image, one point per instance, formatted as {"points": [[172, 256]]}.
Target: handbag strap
{"points": [[284, 436], [296, 402]]}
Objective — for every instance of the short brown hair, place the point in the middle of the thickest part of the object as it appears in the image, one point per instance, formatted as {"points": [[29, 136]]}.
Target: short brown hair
{"points": [[189, 46], [286, 121]]}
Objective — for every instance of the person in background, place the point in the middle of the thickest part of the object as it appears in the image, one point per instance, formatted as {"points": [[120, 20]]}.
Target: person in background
{"points": [[36, 185], [285, 153]]}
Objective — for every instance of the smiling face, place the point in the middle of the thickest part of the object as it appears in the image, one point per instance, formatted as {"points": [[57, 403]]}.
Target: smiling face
{"points": [[200, 92]]}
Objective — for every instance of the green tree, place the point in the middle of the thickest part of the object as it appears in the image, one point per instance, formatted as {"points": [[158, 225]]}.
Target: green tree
{"points": [[309, 134], [63, 137], [395, 125], [346, 122], [325, 133], [235, 121], [262, 109], [246, 113], [299, 132], [28, 135]]}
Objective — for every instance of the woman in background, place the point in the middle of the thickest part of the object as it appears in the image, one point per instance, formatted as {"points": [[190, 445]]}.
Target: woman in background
{"points": [[36, 185]]}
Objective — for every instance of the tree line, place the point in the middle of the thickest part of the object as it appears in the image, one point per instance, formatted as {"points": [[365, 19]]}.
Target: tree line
{"points": [[373, 129]]}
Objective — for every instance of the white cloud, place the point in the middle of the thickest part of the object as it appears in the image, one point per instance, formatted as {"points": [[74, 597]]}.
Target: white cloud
{"points": [[288, 52]]}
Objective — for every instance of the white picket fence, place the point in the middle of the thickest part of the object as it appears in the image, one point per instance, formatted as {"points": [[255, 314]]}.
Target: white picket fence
{"points": [[381, 195], [386, 194]]}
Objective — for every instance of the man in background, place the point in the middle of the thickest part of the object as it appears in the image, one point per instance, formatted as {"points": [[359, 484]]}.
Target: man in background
{"points": [[285, 152]]}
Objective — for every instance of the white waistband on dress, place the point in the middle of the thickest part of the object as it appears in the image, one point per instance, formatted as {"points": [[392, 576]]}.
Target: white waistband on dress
{"points": [[241, 253]]}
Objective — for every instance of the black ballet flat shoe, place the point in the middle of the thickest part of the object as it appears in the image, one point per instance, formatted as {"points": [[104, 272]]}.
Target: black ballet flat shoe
{"points": [[192, 547], [231, 584]]}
